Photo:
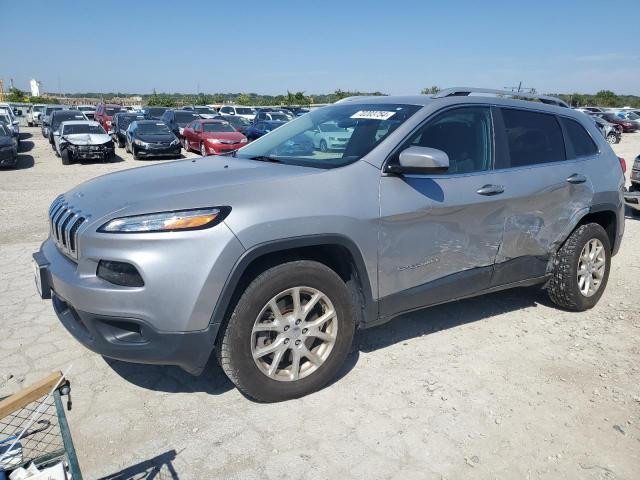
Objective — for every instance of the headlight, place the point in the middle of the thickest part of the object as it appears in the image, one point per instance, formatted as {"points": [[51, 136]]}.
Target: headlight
{"points": [[332, 139], [140, 143], [175, 142], [213, 140], [167, 221], [109, 122], [244, 140]]}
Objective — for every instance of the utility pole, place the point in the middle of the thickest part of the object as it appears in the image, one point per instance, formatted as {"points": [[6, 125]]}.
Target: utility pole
{"points": [[520, 89]]}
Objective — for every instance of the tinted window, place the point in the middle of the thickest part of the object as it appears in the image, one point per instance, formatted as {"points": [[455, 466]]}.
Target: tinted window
{"points": [[152, 128], [532, 137], [218, 127], [464, 134], [580, 140], [182, 118]]}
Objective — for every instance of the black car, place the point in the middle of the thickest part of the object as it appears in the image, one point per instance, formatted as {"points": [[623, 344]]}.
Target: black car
{"points": [[176, 120], [261, 128], [239, 123], [203, 111], [151, 138], [8, 148], [119, 124], [154, 113], [60, 116]]}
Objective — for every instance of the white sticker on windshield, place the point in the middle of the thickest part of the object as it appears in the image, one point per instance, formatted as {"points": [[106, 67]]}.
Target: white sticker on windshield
{"points": [[373, 114], [159, 124]]}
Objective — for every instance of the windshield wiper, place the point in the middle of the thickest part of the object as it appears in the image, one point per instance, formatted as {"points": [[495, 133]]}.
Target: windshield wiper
{"points": [[265, 158]]}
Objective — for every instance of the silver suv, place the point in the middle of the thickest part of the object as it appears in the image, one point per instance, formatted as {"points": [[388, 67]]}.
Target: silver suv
{"points": [[271, 257]]}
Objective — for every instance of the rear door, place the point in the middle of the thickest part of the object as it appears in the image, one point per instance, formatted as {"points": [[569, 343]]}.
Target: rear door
{"points": [[546, 188]]}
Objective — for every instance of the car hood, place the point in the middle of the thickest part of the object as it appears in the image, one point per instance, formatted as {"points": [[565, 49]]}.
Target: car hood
{"points": [[183, 184], [161, 137], [223, 135], [88, 138]]}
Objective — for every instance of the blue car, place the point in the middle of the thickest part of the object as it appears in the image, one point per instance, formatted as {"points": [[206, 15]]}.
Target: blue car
{"points": [[260, 128]]}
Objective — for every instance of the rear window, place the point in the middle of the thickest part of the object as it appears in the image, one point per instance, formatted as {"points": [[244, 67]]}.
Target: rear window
{"points": [[532, 137], [182, 118], [580, 141], [110, 111]]}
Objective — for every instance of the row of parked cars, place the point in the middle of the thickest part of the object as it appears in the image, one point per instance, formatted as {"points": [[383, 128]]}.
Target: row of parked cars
{"points": [[9, 136], [613, 122], [78, 133]]}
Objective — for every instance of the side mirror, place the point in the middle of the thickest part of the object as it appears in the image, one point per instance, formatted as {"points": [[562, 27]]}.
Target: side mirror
{"points": [[16, 122], [422, 160], [56, 132]]}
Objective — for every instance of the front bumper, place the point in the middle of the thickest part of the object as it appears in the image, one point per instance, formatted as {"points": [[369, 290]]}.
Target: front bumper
{"points": [[168, 320], [91, 152], [158, 151]]}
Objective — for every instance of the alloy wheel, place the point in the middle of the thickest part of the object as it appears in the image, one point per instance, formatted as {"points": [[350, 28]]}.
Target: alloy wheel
{"points": [[592, 265], [294, 334]]}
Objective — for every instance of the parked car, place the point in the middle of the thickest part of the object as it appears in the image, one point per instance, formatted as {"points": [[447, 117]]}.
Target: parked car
{"points": [[119, 124], [83, 140], [10, 124], [176, 120], [33, 114], [612, 132], [8, 147], [204, 112], [632, 197], [154, 113], [246, 112], [151, 138], [590, 109], [60, 116], [273, 261], [261, 128], [105, 112], [239, 123], [45, 116], [278, 116], [10, 110], [329, 136], [88, 110], [211, 137], [627, 125], [630, 117]]}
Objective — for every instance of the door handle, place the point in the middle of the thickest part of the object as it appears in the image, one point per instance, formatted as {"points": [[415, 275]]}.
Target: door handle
{"points": [[576, 178], [490, 190]]}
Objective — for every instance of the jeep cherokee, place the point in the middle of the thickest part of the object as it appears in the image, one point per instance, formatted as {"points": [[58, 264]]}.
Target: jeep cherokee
{"points": [[271, 258]]}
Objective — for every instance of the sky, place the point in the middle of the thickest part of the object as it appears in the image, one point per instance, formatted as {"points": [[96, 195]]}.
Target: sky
{"points": [[271, 46]]}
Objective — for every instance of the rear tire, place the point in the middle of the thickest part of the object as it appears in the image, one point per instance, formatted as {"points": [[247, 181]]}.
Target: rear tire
{"points": [[185, 144], [612, 139], [565, 288], [294, 333]]}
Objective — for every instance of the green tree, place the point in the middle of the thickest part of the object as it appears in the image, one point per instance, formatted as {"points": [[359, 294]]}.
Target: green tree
{"points": [[17, 95], [607, 98], [244, 99], [162, 100], [430, 90]]}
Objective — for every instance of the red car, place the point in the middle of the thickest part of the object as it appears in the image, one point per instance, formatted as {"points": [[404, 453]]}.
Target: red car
{"points": [[211, 137], [104, 114], [627, 126]]}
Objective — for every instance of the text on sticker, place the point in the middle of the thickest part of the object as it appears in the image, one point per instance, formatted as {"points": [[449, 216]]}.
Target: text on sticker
{"points": [[373, 114]]}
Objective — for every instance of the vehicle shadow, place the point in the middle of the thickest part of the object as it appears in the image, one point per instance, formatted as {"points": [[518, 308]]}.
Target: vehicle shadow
{"points": [[170, 379], [24, 162], [25, 135], [156, 468], [25, 146]]}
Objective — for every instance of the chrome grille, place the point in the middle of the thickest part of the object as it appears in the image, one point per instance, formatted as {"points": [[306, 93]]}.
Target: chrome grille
{"points": [[65, 221]]}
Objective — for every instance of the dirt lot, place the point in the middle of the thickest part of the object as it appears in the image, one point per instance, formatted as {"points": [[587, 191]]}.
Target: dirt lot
{"points": [[502, 386]]}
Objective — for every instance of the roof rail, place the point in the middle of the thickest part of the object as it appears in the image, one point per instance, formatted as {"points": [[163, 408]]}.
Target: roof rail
{"points": [[464, 91]]}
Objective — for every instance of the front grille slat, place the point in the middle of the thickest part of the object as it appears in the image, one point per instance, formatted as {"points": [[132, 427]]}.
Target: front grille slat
{"points": [[65, 222]]}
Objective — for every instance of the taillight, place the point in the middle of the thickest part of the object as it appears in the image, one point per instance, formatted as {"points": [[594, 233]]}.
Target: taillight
{"points": [[623, 165]]}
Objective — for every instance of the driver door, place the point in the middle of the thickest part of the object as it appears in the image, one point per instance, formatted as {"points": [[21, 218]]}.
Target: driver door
{"points": [[440, 232]]}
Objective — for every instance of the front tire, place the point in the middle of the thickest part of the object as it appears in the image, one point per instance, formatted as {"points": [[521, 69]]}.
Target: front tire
{"points": [[289, 332], [203, 149], [66, 157], [612, 139], [581, 269], [323, 146], [185, 144]]}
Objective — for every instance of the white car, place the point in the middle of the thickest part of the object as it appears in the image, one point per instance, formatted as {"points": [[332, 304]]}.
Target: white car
{"points": [[244, 112], [83, 139], [11, 123], [328, 136], [88, 110], [33, 114]]}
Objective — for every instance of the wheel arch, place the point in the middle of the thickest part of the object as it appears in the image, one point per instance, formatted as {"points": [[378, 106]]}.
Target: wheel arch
{"points": [[604, 215], [338, 252]]}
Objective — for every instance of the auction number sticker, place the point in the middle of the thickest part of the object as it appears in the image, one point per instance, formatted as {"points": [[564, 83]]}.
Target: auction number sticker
{"points": [[373, 114]]}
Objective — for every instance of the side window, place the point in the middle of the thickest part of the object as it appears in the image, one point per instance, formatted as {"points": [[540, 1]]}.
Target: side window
{"points": [[532, 137], [464, 134], [580, 141]]}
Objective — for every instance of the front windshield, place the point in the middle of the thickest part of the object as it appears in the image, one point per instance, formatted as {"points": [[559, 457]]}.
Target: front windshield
{"points": [[182, 118], [125, 120], [237, 121], [245, 111], [52, 109], [205, 110], [331, 136], [110, 111], [82, 128], [4, 119], [156, 111], [632, 116], [38, 109], [217, 127], [65, 116], [3, 131], [153, 128], [279, 116]]}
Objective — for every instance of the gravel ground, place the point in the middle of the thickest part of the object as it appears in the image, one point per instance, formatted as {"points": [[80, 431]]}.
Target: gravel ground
{"points": [[501, 386]]}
